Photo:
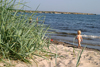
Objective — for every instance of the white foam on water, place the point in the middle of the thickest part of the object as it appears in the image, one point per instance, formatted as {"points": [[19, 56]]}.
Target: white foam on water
{"points": [[91, 36]]}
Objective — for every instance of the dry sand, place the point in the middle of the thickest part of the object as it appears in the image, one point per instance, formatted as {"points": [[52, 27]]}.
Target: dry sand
{"points": [[89, 58]]}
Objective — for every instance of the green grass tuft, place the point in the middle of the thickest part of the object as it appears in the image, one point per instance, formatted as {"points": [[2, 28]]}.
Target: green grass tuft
{"points": [[19, 38]]}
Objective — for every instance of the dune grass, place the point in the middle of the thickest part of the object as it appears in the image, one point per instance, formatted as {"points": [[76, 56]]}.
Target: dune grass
{"points": [[19, 38]]}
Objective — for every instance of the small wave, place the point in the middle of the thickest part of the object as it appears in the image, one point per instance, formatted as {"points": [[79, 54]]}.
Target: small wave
{"points": [[91, 36], [65, 33]]}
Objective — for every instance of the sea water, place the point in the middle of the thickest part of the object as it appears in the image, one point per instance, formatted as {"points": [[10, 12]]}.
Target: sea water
{"points": [[65, 28]]}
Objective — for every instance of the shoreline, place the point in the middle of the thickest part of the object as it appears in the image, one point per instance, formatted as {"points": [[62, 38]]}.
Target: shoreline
{"points": [[92, 43], [70, 45]]}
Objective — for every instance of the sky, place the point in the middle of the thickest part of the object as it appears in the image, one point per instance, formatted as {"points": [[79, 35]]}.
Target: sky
{"points": [[80, 6]]}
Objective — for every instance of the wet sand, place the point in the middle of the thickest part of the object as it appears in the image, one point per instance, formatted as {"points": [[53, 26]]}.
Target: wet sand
{"points": [[70, 45]]}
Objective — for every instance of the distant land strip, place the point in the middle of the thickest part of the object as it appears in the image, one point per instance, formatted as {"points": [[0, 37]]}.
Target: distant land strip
{"points": [[55, 12]]}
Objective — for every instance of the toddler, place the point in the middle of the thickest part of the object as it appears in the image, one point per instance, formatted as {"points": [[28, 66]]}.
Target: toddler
{"points": [[79, 38]]}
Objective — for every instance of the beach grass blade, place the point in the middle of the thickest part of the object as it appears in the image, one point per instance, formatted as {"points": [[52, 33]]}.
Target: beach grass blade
{"points": [[79, 56]]}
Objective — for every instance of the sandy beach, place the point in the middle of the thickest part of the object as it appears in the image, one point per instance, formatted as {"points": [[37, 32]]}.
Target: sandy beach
{"points": [[67, 56]]}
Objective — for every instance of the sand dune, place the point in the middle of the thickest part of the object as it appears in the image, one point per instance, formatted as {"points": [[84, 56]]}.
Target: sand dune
{"points": [[88, 59]]}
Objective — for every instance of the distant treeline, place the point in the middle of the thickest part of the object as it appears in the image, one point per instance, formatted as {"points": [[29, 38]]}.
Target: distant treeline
{"points": [[55, 12]]}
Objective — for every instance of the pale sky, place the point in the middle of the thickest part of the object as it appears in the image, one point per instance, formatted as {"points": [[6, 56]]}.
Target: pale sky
{"points": [[82, 6]]}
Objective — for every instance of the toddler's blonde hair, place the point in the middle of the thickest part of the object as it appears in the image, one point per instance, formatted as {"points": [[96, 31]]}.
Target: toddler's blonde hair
{"points": [[79, 32]]}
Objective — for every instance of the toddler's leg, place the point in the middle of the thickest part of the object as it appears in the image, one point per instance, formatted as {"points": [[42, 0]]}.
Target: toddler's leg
{"points": [[79, 44]]}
